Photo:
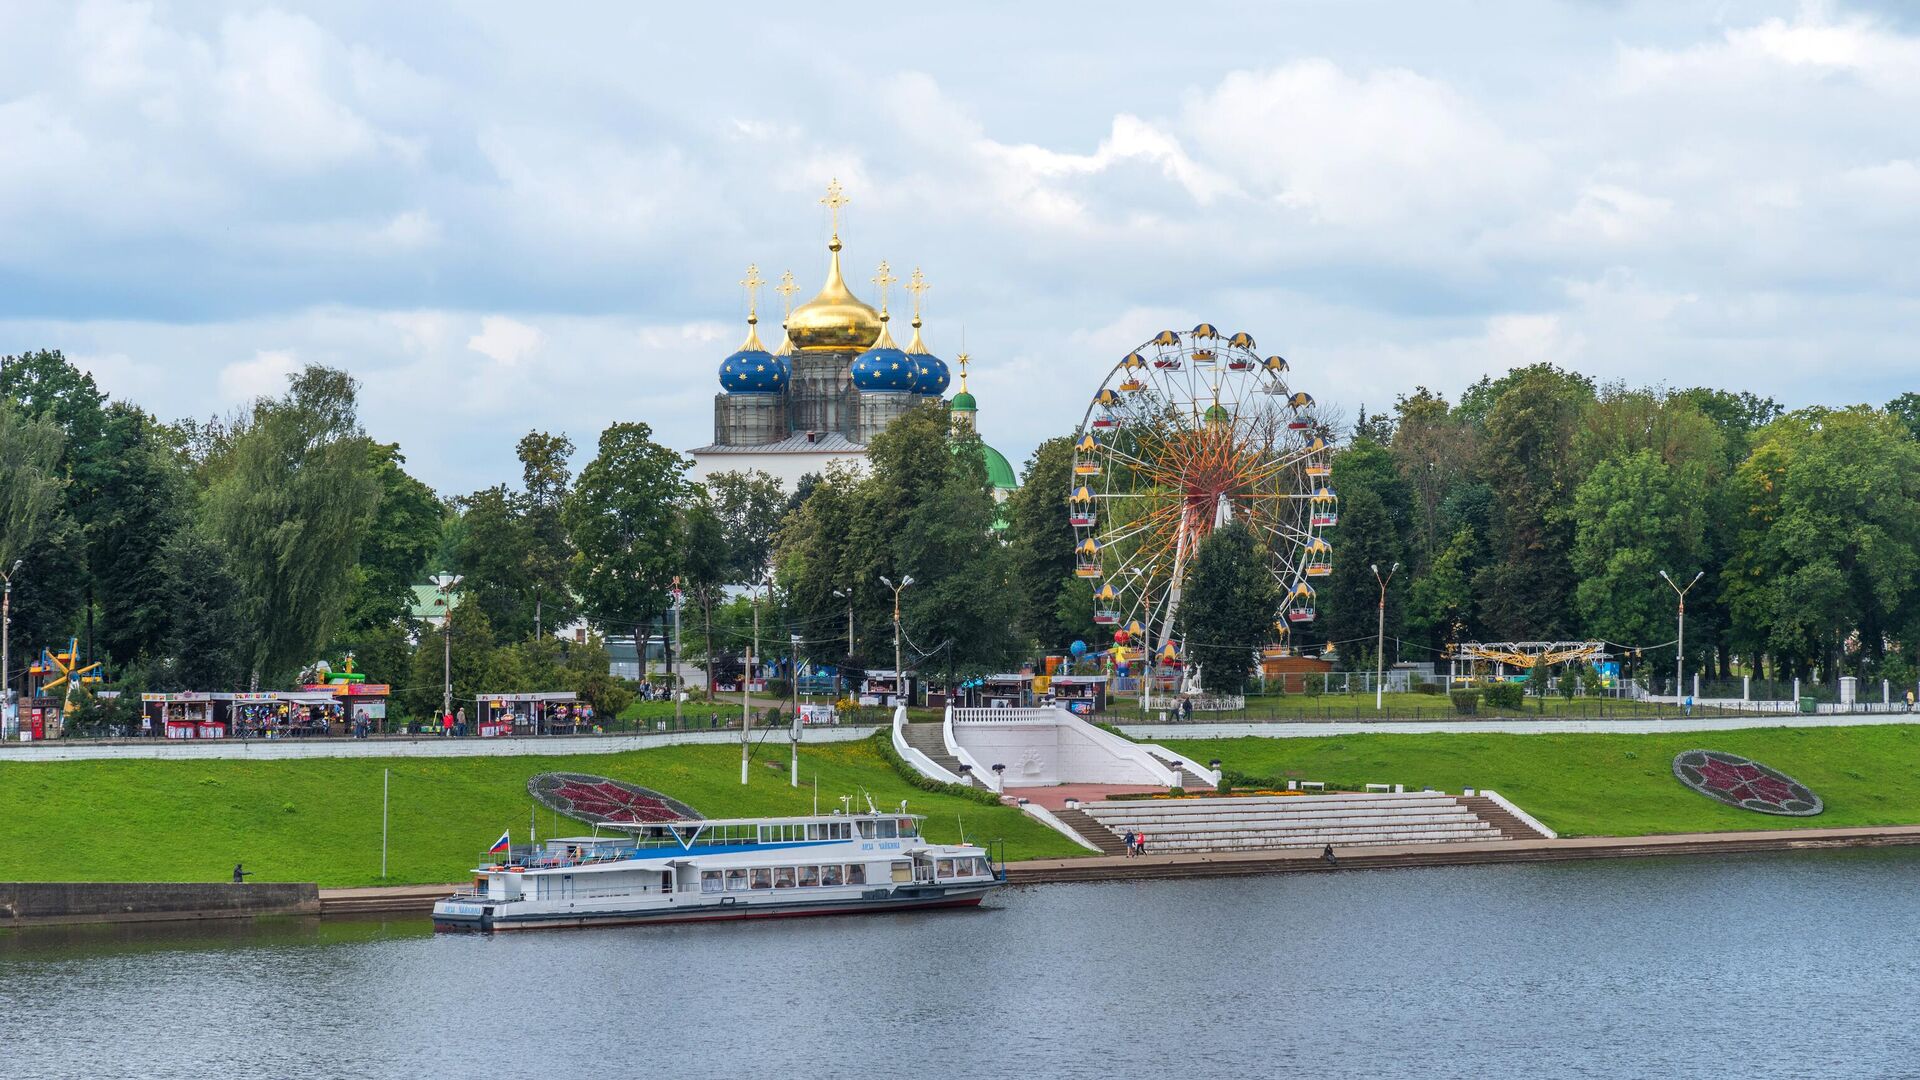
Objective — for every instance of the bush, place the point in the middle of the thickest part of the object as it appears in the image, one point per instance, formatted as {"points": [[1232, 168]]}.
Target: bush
{"points": [[883, 744], [1427, 688], [1465, 702], [1314, 685], [1506, 695], [779, 688]]}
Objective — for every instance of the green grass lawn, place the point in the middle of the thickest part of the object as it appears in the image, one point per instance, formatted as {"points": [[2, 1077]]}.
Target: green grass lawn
{"points": [[319, 820], [1607, 785]]}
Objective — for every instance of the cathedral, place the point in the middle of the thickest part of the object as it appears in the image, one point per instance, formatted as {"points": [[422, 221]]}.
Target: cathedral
{"points": [[836, 380]]}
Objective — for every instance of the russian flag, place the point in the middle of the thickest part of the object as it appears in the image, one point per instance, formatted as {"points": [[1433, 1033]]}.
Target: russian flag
{"points": [[505, 843]]}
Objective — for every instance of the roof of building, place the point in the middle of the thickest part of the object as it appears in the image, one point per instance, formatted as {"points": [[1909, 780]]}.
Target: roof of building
{"points": [[999, 470], [825, 442]]}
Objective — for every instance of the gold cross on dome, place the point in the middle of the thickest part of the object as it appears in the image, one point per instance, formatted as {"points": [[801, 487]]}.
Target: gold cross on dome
{"points": [[917, 285], [883, 278], [833, 201], [753, 281], [786, 289]]}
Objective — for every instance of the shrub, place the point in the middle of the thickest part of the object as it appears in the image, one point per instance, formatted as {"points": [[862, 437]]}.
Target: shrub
{"points": [[883, 743], [1427, 688], [1315, 684], [1465, 701], [1506, 695]]}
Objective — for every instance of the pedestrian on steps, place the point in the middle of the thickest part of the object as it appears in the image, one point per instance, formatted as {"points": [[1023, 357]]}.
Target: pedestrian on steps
{"points": [[1129, 843], [1140, 844]]}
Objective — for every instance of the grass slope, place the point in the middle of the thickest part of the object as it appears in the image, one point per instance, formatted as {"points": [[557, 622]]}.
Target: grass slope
{"points": [[1609, 785], [319, 820]]}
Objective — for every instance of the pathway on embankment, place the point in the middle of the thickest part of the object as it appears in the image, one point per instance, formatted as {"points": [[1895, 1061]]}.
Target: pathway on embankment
{"points": [[395, 746], [420, 898], [1298, 729]]}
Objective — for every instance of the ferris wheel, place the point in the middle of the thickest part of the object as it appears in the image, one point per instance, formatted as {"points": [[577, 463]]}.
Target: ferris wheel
{"points": [[1189, 431]]}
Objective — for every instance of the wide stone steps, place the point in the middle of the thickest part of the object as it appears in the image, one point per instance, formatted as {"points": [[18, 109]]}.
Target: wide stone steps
{"points": [[1307, 821], [927, 738]]}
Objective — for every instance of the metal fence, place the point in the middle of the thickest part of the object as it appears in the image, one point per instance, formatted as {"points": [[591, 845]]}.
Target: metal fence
{"points": [[1345, 709]]}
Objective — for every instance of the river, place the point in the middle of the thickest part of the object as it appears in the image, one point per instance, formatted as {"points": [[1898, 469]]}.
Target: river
{"points": [[1803, 964]]}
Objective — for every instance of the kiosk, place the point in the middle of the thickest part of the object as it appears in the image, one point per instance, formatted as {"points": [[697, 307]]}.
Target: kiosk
{"points": [[189, 714], [1083, 695], [551, 712], [887, 688]]}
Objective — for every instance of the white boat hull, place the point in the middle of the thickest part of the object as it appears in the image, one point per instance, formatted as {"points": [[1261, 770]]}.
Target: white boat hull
{"points": [[486, 916]]}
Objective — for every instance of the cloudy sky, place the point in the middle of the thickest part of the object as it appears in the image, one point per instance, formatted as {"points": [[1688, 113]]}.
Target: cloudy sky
{"points": [[509, 216]]}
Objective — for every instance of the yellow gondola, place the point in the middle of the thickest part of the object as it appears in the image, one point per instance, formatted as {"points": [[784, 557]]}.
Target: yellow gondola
{"points": [[1276, 364], [1241, 340], [1133, 362], [1205, 330], [1301, 400], [1165, 337]]}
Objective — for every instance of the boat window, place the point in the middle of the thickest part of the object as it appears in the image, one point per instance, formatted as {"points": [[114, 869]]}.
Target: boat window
{"points": [[830, 875], [909, 827], [809, 876], [866, 830], [711, 881], [888, 829], [762, 877], [783, 877], [736, 880], [946, 868], [842, 830], [902, 871], [813, 830], [980, 867], [856, 874]]}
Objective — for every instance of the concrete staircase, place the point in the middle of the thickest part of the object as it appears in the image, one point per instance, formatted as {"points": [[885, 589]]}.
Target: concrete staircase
{"points": [[1108, 841], [1307, 821], [926, 738], [1188, 782]]}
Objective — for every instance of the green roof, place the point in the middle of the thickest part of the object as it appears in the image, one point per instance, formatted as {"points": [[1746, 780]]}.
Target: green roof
{"points": [[999, 472], [963, 402]]}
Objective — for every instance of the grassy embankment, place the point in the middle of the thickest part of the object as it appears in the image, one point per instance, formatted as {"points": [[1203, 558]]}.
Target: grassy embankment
{"points": [[319, 820], [1403, 706], [1607, 785]]}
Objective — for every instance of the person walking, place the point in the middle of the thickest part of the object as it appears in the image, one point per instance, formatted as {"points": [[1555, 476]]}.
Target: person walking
{"points": [[1328, 856], [240, 874], [1140, 844], [1909, 701], [1130, 842]]}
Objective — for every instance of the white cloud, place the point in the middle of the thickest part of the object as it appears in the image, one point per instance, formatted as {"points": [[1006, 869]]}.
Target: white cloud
{"points": [[505, 341], [263, 376]]}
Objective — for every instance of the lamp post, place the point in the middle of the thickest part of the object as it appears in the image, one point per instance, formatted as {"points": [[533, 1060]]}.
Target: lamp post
{"points": [[445, 584], [1680, 638], [899, 676], [7, 709], [673, 680], [1380, 645], [847, 595]]}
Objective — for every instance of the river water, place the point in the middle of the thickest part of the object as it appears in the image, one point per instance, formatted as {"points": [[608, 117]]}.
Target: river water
{"points": [[1799, 964]]}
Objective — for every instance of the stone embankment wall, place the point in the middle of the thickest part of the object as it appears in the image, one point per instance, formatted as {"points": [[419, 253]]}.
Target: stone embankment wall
{"points": [[45, 903]]}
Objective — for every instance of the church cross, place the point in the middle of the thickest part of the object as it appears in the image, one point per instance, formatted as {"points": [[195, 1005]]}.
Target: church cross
{"points": [[917, 285], [753, 281], [833, 201]]}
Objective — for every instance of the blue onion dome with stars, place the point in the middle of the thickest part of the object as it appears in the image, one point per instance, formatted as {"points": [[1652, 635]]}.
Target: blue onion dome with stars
{"points": [[885, 367], [930, 374], [754, 370]]}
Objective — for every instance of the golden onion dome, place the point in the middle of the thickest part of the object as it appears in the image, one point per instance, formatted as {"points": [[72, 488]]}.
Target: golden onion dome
{"points": [[836, 320]]}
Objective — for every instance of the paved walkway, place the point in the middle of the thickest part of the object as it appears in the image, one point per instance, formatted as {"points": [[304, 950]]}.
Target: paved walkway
{"points": [[422, 746], [1055, 797], [1291, 729]]}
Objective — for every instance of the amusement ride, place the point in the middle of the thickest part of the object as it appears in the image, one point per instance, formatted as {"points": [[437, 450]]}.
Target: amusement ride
{"points": [[1189, 431]]}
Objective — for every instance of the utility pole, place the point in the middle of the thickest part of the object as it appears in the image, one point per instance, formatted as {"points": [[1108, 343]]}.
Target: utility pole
{"points": [[679, 599], [8, 711], [793, 675], [1680, 639], [746, 714], [899, 676], [1380, 644]]}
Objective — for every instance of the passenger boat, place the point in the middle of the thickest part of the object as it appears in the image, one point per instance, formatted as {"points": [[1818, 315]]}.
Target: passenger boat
{"points": [[741, 868]]}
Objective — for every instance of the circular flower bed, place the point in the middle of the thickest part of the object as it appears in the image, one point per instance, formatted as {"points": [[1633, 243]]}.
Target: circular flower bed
{"points": [[597, 799], [1745, 783]]}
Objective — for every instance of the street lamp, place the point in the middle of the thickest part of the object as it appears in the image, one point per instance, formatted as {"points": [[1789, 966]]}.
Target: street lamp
{"points": [[1680, 639], [445, 584], [847, 595], [899, 676], [7, 709], [1380, 646]]}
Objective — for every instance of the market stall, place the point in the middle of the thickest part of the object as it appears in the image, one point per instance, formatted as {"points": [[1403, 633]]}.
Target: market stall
{"points": [[887, 688], [551, 712], [1081, 694], [189, 714]]}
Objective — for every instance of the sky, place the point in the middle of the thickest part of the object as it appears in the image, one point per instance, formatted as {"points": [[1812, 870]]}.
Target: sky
{"points": [[504, 217]]}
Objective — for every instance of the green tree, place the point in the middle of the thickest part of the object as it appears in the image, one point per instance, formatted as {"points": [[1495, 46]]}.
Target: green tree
{"points": [[1227, 606], [465, 649], [206, 641], [1526, 592], [1440, 601], [1349, 598], [494, 560], [547, 478], [294, 496], [31, 488], [406, 530], [136, 501], [624, 516], [750, 506], [1040, 547], [704, 567]]}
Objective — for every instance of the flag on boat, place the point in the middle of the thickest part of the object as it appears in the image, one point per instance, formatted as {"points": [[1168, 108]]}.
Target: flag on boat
{"points": [[503, 844]]}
